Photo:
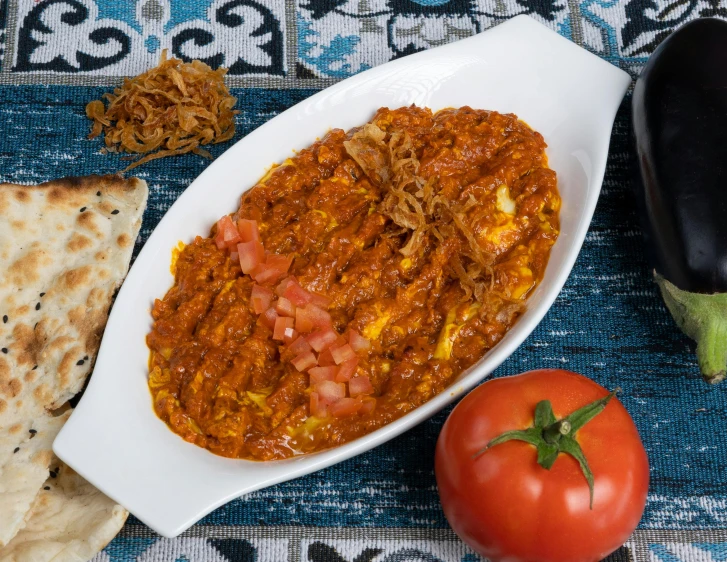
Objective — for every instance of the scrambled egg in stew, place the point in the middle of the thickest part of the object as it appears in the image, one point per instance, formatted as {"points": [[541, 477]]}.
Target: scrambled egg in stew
{"points": [[424, 233]]}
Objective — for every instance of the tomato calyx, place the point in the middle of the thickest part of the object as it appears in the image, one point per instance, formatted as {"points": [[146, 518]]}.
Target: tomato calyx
{"points": [[551, 436]]}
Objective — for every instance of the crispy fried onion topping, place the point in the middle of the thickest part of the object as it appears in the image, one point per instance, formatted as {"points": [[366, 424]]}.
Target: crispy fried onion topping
{"points": [[415, 204], [174, 108]]}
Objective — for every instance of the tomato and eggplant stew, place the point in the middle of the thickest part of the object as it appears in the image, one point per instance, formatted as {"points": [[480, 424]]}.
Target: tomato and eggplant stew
{"points": [[356, 281]]}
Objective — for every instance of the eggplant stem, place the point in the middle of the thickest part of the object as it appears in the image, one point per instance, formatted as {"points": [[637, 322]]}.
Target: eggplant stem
{"points": [[712, 349], [703, 318]]}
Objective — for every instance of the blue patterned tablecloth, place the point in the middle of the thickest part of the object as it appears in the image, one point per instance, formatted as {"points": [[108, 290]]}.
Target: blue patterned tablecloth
{"points": [[608, 322]]}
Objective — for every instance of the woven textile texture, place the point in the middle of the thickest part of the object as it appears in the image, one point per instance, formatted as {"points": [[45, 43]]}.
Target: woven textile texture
{"points": [[608, 322]]}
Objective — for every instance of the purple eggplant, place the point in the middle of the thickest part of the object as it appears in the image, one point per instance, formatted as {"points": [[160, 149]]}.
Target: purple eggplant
{"points": [[679, 112]]}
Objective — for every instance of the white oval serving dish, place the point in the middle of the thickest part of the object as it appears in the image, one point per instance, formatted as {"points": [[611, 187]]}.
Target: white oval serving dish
{"points": [[114, 439]]}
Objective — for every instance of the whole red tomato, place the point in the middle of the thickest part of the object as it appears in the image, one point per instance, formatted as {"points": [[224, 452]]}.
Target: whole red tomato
{"points": [[509, 508]]}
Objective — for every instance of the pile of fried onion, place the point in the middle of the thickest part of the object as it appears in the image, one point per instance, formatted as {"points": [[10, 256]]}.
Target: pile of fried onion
{"points": [[415, 204], [171, 109]]}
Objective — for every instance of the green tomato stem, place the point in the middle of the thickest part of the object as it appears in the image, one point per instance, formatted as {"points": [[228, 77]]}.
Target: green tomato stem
{"points": [[551, 436], [555, 431]]}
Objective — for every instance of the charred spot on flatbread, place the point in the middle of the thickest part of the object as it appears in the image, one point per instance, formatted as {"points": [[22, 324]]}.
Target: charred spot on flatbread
{"points": [[124, 240], [21, 195], [78, 243], [26, 270]]}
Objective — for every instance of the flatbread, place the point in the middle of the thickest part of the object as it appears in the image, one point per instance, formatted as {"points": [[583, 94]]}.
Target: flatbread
{"points": [[71, 521], [24, 472], [65, 247]]}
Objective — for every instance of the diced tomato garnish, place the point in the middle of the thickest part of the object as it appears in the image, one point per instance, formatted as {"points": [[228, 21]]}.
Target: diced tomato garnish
{"points": [[313, 317], [261, 298], [319, 317], [345, 407], [230, 234], [281, 323], [303, 322], [340, 340], [304, 361], [367, 405], [280, 289], [357, 341], [346, 370], [251, 255], [275, 267], [359, 385], [289, 336], [317, 408], [248, 230], [329, 391], [234, 255], [320, 301], [299, 346], [280, 262], [320, 374], [268, 318], [227, 235], [321, 339], [325, 359], [285, 307], [262, 274], [343, 353], [297, 294]]}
